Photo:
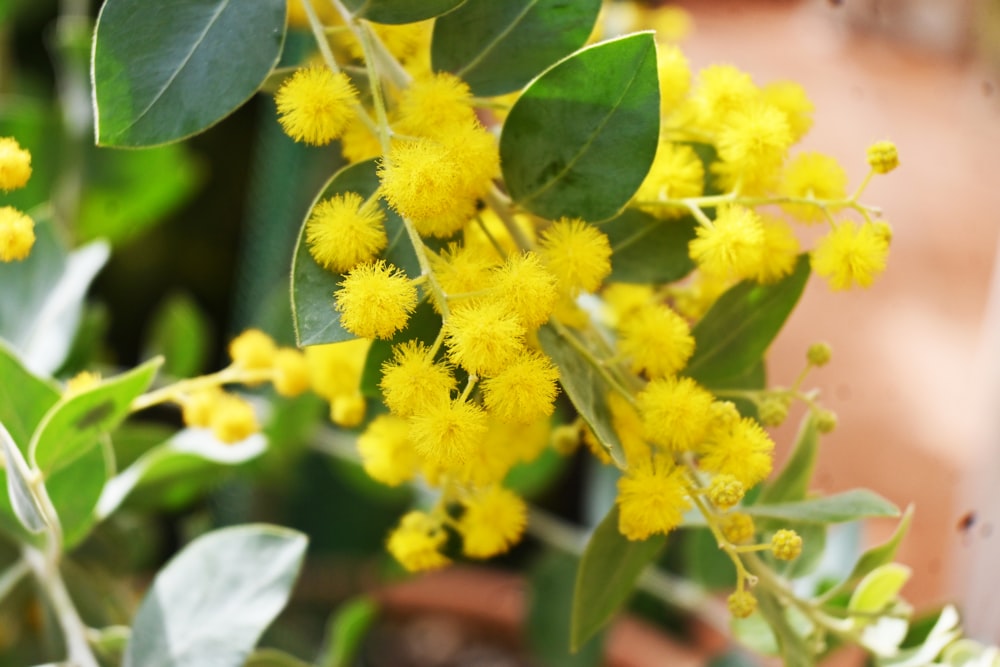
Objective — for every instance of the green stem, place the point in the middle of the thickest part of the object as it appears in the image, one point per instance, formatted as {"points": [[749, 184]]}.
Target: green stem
{"points": [[497, 202], [229, 375], [393, 68], [12, 576]]}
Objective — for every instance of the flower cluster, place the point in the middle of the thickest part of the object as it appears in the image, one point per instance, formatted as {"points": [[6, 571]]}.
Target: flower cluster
{"points": [[17, 230]]}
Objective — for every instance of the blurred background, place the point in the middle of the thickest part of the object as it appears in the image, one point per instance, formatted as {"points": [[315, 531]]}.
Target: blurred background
{"points": [[203, 232]]}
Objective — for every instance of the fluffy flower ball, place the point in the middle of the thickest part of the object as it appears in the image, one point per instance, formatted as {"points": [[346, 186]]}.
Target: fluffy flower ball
{"points": [[17, 234], [315, 105], [375, 300], [344, 231]]}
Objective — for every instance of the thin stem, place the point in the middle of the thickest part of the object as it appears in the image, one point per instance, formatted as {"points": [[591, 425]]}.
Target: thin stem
{"points": [[229, 375], [12, 576], [74, 631], [741, 571], [394, 69], [495, 201]]}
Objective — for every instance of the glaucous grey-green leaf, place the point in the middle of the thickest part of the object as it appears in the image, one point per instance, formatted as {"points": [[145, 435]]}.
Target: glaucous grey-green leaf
{"points": [[646, 249], [836, 508], [579, 141], [497, 47], [608, 570], [315, 318], [75, 423], [400, 11], [164, 71], [212, 601], [22, 499]]}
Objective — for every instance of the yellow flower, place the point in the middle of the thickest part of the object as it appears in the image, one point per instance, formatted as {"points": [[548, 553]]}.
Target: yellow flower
{"points": [[344, 231], [434, 104], [675, 77], [335, 368], [375, 300], [624, 300], [315, 105], [411, 381], [577, 253], [81, 382], [743, 451], [291, 372], [812, 176], [658, 341], [753, 142], [253, 350], [883, 157], [493, 521], [524, 391], [446, 433], [738, 527], [525, 287], [851, 255], [675, 412], [348, 410], [15, 165], [628, 425], [786, 545], [358, 143], [198, 407], [462, 268], [417, 542], [791, 99], [483, 338], [652, 498], [676, 173], [732, 246], [781, 252], [232, 419], [387, 454], [17, 234], [721, 90], [725, 491]]}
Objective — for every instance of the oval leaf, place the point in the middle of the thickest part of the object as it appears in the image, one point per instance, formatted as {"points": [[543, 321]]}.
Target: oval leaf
{"points": [[836, 508], [645, 249], [739, 327], [75, 489], [211, 603], [497, 47], [609, 568], [874, 557], [164, 71], [400, 11], [581, 138], [879, 588], [585, 388], [74, 424], [22, 500], [315, 318]]}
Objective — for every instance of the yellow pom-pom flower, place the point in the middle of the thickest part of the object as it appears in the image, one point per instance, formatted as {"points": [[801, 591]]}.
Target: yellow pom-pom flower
{"points": [[851, 255], [375, 300], [17, 234], [387, 454], [721, 90], [232, 419], [462, 268], [291, 372], [493, 521], [883, 157], [335, 368], [15, 165], [434, 104], [417, 542], [577, 253], [253, 350], [753, 142], [412, 381], [197, 408], [483, 338], [781, 252], [348, 410], [652, 498], [744, 451], [658, 341], [524, 391], [732, 246], [315, 105], [676, 173], [676, 412], [812, 176], [786, 545], [344, 231], [790, 98], [447, 433], [525, 287], [675, 77], [725, 491]]}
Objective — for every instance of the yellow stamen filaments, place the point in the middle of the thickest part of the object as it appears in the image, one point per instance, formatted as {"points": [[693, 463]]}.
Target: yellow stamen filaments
{"points": [[417, 542], [742, 450], [375, 300], [386, 451], [447, 434], [493, 521], [483, 338], [15, 165], [732, 246], [344, 231], [851, 255], [315, 105], [524, 391], [676, 413], [17, 234], [657, 340], [412, 381], [578, 254], [652, 498]]}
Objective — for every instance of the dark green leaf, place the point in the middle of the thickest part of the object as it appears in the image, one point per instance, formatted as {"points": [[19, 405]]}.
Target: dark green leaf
{"points": [[313, 287], [609, 568], [180, 332], [22, 500], [42, 298], [836, 508], [74, 490], [400, 11], [754, 377], [75, 423], [346, 631], [645, 249], [792, 483], [580, 139], [497, 47], [738, 329], [424, 326], [24, 398], [584, 386], [548, 623], [705, 562], [211, 603], [530, 479], [164, 71], [874, 557]]}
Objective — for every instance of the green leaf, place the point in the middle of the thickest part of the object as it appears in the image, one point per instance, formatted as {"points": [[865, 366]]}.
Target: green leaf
{"points": [[792, 645], [837, 508], [645, 249], [42, 298], [22, 499], [738, 329], [24, 397], [75, 423], [184, 457], [127, 192], [792, 483], [879, 588], [548, 624], [211, 602], [874, 557], [705, 562], [584, 386], [164, 71], [346, 631], [424, 326], [609, 568], [400, 11], [530, 479], [580, 139], [813, 548], [497, 47], [316, 320], [74, 490], [272, 657], [181, 333], [35, 124]]}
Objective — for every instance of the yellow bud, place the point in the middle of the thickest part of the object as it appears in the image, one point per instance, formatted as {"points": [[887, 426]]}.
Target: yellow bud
{"points": [[883, 157], [819, 354], [741, 604], [826, 421], [291, 372], [725, 491], [253, 350], [566, 438], [786, 545], [738, 527], [347, 411], [773, 410]]}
